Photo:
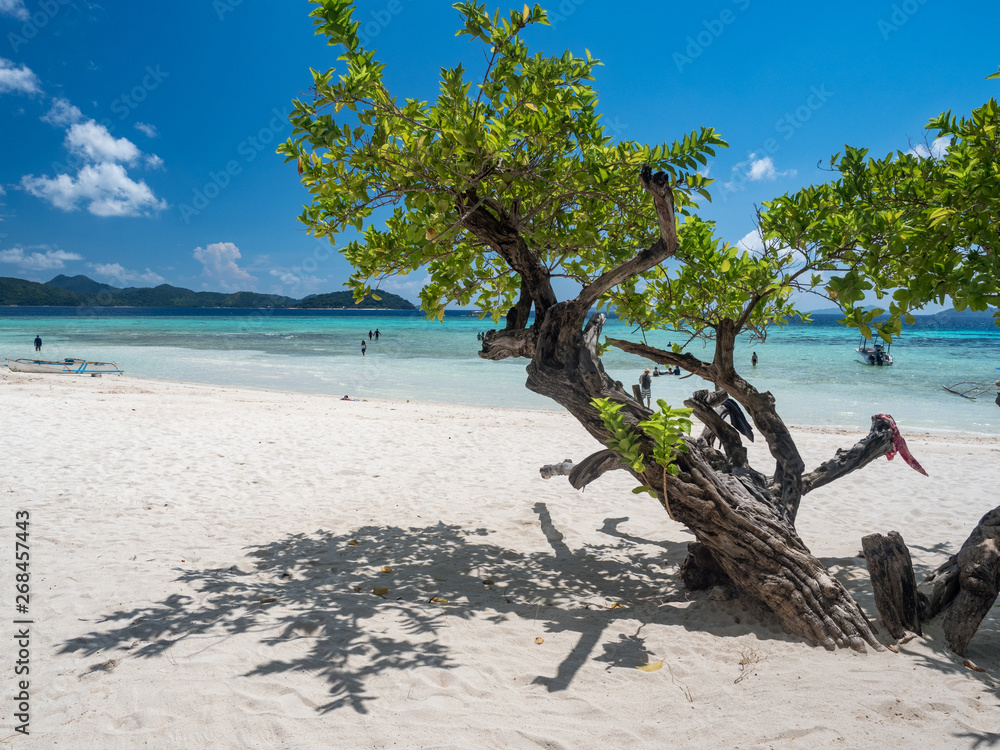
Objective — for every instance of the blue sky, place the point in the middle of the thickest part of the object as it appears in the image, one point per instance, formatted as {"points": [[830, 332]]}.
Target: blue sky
{"points": [[138, 145]]}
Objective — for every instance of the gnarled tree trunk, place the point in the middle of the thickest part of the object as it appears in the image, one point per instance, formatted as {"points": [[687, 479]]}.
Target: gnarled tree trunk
{"points": [[893, 582], [967, 585], [744, 520], [743, 525]]}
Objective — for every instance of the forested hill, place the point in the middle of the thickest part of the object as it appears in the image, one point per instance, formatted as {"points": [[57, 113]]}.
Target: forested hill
{"points": [[386, 301], [70, 291]]}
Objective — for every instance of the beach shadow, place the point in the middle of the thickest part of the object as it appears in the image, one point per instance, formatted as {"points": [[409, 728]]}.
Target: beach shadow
{"points": [[610, 527], [328, 589], [852, 572], [977, 740], [383, 599]]}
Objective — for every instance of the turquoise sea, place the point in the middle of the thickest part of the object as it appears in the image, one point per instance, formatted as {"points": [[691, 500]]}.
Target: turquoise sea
{"points": [[811, 368]]}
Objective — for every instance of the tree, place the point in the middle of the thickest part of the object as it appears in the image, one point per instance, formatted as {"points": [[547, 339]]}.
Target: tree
{"points": [[914, 227], [498, 187]]}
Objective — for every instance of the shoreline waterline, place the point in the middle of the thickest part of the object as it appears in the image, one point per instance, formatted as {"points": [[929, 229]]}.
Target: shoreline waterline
{"points": [[811, 369], [938, 435]]}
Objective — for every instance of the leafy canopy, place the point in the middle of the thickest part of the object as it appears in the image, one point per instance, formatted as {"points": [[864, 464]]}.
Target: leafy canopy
{"points": [[913, 227], [525, 140], [525, 137]]}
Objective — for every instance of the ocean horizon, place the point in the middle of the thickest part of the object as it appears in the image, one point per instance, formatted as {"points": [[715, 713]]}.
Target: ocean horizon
{"points": [[811, 368]]}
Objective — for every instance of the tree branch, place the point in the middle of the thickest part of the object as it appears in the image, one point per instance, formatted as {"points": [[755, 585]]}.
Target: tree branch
{"points": [[657, 185], [761, 407], [500, 233], [876, 444], [509, 343], [703, 403], [662, 357], [585, 472]]}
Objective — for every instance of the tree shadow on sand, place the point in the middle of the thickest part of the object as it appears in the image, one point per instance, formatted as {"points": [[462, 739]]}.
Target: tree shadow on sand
{"points": [[320, 587], [935, 654]]}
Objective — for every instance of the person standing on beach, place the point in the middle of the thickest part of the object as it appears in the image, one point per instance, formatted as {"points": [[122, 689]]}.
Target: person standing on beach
{"points": [[38, 343], [364, 347], [369, 334], [646, 385], [377, 334]]}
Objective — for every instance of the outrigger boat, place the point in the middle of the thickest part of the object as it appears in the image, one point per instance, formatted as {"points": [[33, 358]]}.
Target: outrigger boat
{"points": [[65, 366], [877, 354], [971, 389]]}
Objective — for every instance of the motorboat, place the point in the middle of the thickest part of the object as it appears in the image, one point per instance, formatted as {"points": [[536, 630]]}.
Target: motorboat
{"points": [[64, 367], [874, 354]]}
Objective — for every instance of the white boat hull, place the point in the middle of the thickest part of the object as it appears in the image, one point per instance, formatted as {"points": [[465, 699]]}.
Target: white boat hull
{"points": [[63, 367], [869, 356]]}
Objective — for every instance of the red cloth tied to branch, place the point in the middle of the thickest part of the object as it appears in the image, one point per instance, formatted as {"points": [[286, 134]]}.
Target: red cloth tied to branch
{"points": [[899, 446]]}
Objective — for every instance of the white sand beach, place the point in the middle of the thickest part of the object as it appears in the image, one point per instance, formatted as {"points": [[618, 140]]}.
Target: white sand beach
{"points": [[195, 583]]}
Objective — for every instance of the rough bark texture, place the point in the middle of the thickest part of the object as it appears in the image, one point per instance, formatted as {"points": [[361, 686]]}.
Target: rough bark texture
{"points": [[875, 445], [754, 544], [743, 528], [893, 582], [966, 586], [585, 472], [704, 405], [978, 564], [593, 467], [744, 521], [556, 470], [700, 570], [943, 588]]}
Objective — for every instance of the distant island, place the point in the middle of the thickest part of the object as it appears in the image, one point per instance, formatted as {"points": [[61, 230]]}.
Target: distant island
{"points": [[926, 318], [73, 291]]}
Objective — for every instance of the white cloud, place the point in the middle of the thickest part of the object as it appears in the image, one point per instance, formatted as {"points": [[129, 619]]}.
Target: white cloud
{"points": [[219, 261], [752, 243], [406, 286], [14, 80], [293, 283], [126, 276], [937, 149], [37, 261], [14, 8], [62, 113], [755, 170], [763, 169], [102, 184], [150, 131], [93, 141], [105, 188]]}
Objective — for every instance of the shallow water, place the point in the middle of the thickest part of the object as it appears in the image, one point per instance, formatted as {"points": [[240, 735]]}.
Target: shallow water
{"points": [[811, 368]]}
